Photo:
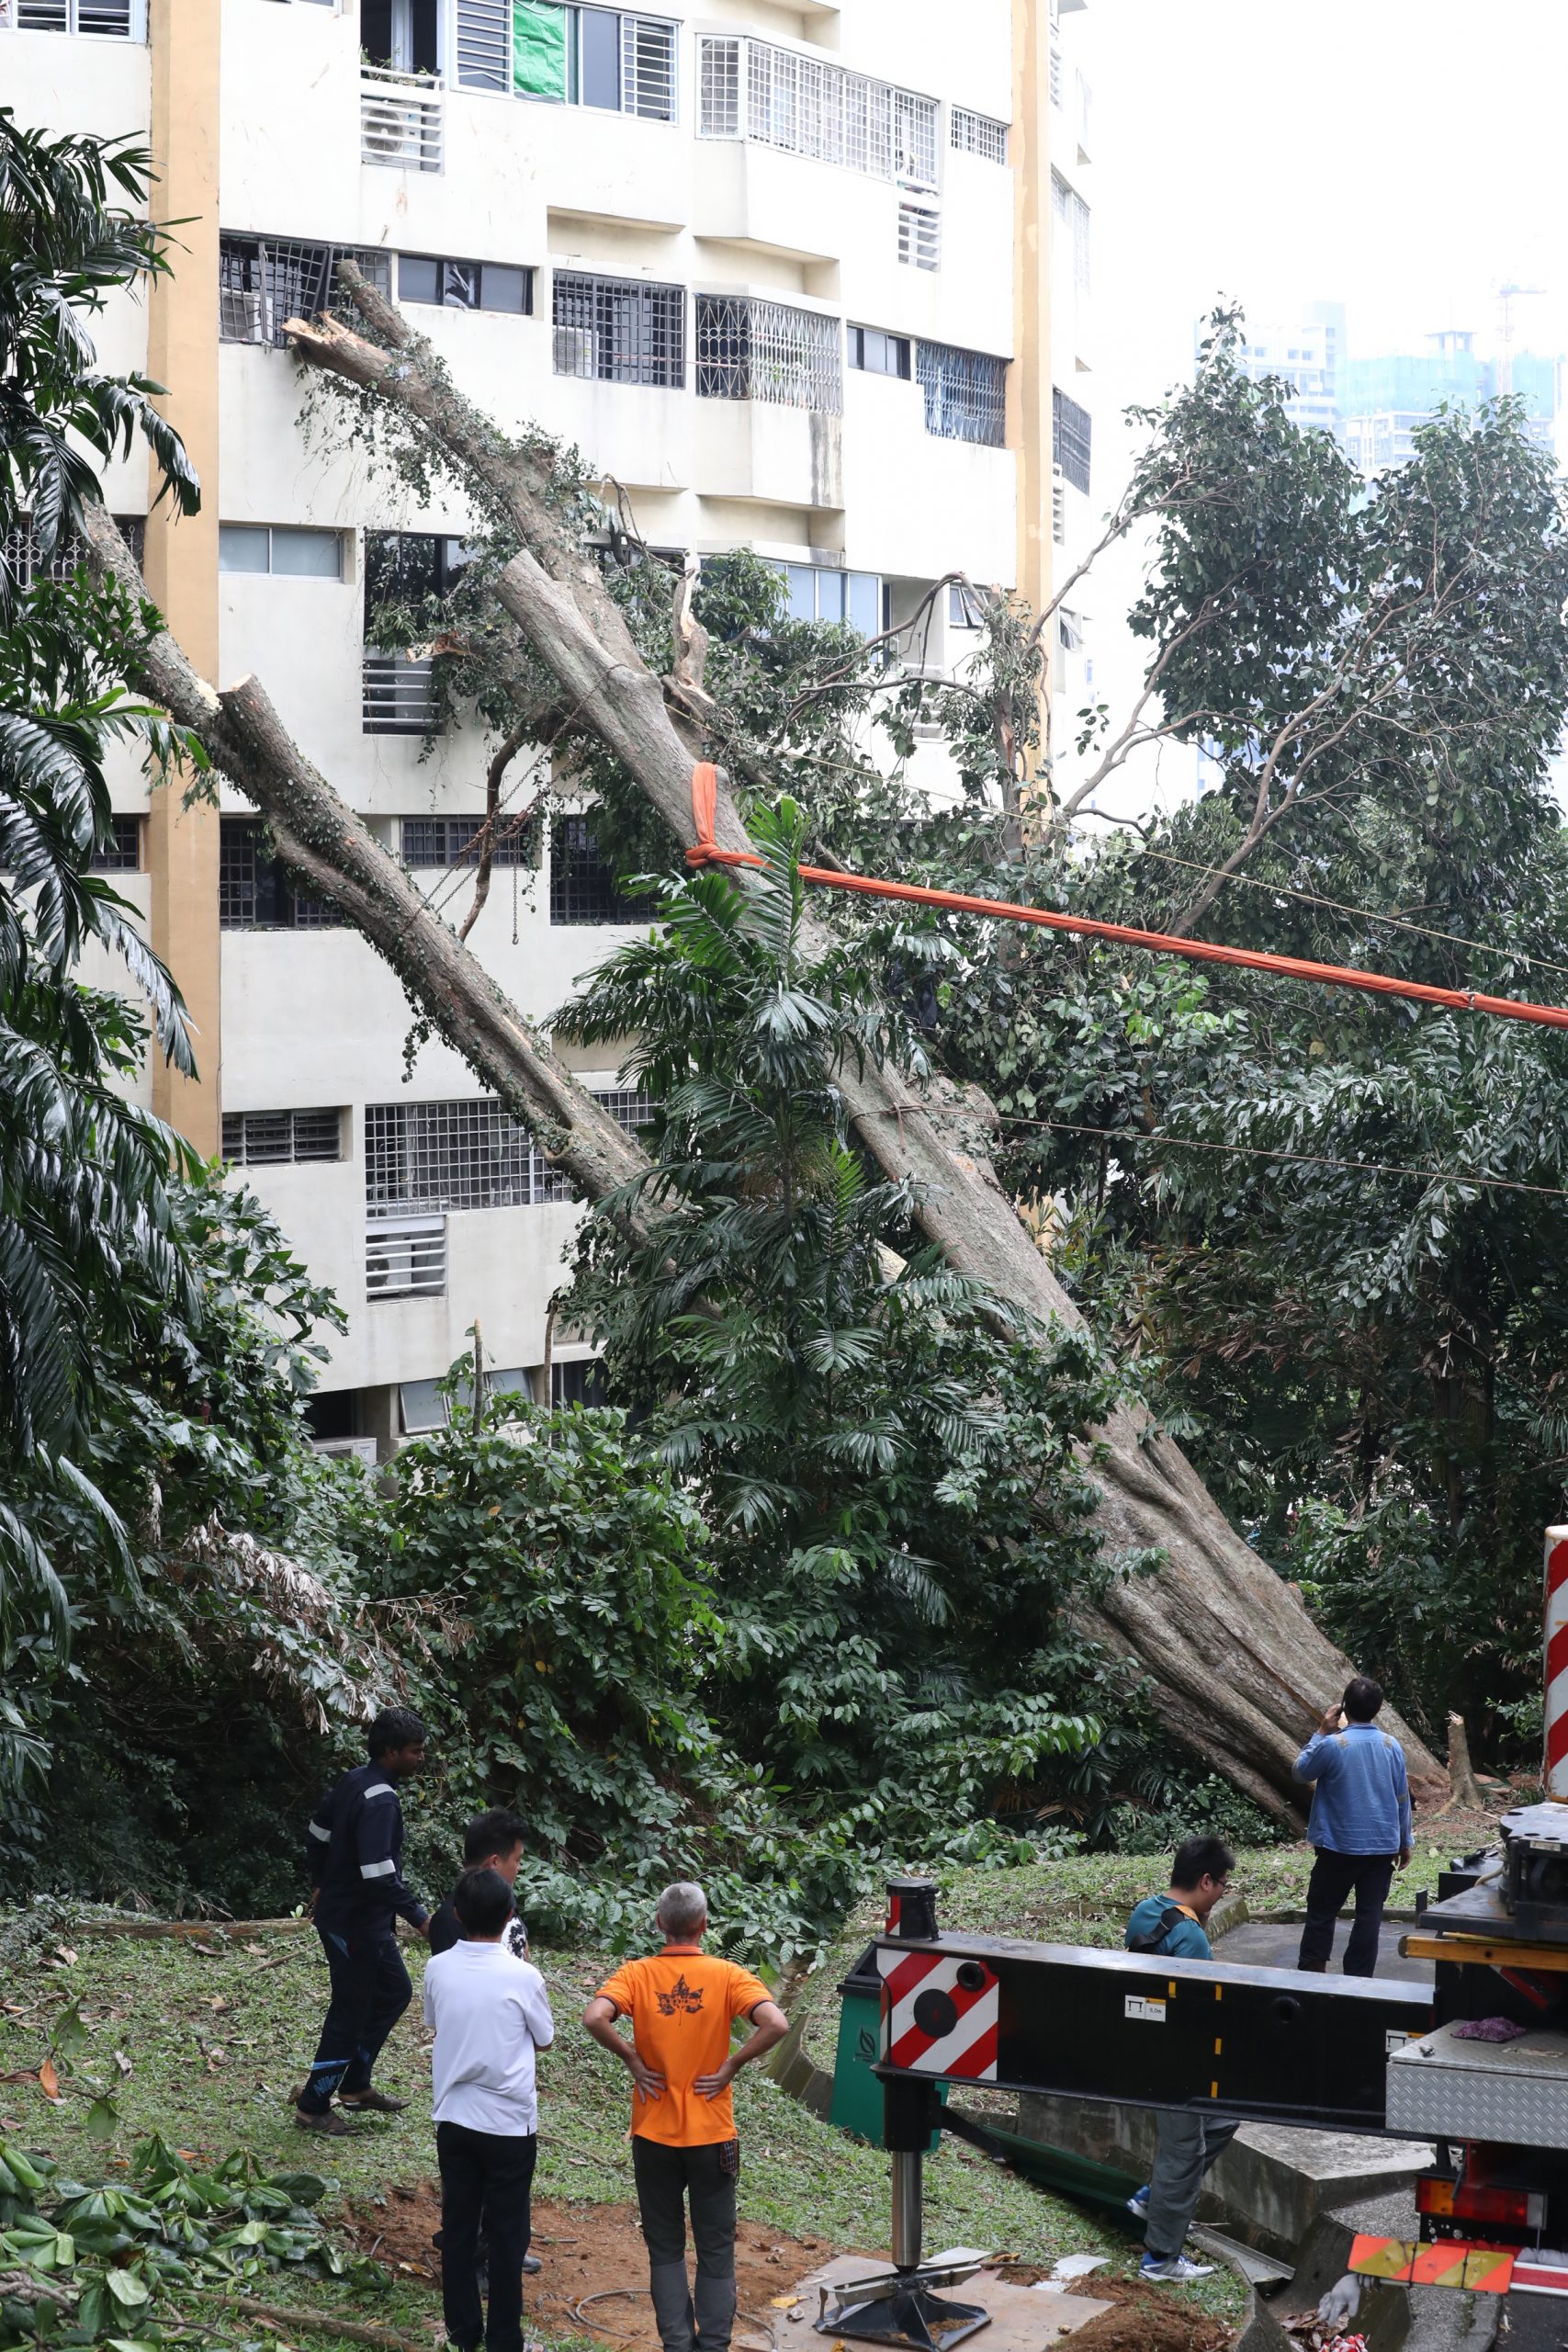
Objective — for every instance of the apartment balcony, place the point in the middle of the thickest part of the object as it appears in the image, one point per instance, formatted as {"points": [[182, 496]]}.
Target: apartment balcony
{"points": [[402, 122]]}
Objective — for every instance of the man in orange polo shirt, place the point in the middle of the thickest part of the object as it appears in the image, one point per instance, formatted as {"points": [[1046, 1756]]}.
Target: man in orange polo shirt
{"points": [[683, 2004]]}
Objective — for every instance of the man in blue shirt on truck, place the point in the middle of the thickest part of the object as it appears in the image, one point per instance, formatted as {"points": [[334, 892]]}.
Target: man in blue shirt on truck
{"points": [[1360, 1824], [1176, 1926]]}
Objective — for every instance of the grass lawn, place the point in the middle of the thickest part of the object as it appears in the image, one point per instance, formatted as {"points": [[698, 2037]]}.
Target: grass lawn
{"points": [[216, 2040]]}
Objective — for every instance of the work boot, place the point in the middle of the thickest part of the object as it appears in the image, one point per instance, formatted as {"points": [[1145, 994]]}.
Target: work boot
{"points": [[714, 2302], [330, 2126], [672, 2305]]}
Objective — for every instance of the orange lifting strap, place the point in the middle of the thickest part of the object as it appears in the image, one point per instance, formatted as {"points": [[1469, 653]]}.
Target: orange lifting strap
{"points": [[706, 852]]}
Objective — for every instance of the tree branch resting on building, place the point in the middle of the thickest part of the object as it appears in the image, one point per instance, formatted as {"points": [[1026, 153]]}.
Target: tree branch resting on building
{"points": [[1237, 1670]]}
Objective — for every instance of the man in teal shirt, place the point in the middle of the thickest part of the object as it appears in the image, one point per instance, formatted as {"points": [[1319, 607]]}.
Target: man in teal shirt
{"points": [[1176, 1926]]}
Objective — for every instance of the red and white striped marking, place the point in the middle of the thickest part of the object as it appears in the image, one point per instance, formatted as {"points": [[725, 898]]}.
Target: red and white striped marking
{"points": [[932, 2023], [1557, 1663]]}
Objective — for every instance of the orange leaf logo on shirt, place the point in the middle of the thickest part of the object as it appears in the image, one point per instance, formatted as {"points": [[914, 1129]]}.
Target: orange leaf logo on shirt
{"points": [[679, 1999]]}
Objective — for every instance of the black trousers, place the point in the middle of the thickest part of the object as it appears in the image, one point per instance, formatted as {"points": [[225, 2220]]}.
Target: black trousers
{"points": [[486, 2178], [1333, 1879], [370, 1990], [667, 2178]]}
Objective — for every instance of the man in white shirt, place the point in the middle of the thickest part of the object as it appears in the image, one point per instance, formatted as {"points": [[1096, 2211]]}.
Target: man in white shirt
{"points": [[491, 2014]]}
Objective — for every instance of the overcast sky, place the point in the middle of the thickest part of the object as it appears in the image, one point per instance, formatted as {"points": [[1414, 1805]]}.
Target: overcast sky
{"points": [[1405, 156]]}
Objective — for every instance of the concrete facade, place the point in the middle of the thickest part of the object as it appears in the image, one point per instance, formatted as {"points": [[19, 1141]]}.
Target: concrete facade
{"points": [[855, 165]]}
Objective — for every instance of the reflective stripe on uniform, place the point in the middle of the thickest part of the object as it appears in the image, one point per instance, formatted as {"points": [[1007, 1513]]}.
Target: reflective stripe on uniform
{"points": [[377, 1869], [324, 1835], [381, 1789]]}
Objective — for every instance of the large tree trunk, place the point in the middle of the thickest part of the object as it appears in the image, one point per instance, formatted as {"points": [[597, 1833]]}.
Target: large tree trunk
{"points": [[1239, 1672]]}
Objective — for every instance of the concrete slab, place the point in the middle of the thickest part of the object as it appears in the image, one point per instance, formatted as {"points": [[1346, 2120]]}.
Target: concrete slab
{"points": [[1261, 1943], [1022, 2319]]}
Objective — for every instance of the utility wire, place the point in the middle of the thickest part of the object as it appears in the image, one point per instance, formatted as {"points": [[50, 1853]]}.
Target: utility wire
{"points": [[1300, 1159]]}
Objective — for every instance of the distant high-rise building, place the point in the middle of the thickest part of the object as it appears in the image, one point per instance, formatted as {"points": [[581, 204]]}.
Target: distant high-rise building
{"points": [[1372, 404]]}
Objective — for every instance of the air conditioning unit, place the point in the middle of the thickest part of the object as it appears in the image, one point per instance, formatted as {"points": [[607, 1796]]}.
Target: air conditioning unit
{"points": [[575, 351], [241, 315], [347, 1449], [1058, 505]]}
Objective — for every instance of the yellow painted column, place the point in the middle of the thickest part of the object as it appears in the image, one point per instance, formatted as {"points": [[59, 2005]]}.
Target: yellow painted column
{"points": [[182, 551], [1030, 430]]}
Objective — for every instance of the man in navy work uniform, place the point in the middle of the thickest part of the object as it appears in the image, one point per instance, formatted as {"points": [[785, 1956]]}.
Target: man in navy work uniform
{"points": [[1175, 1926], [355, 1850], [1360, 1824]]}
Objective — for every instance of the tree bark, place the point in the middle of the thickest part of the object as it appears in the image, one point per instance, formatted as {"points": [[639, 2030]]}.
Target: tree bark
{"points": [[1239, 1671]]}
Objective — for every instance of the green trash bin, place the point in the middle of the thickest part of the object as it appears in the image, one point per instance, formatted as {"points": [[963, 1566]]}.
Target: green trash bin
{"points": [[857, 2094]]}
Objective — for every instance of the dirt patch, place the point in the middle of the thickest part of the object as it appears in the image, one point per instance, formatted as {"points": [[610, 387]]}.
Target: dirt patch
{"points": [[1143, 2319], [594, 2267]]}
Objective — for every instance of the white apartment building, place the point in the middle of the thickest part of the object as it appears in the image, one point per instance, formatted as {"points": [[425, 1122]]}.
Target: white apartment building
{"points": [[811, 280]]}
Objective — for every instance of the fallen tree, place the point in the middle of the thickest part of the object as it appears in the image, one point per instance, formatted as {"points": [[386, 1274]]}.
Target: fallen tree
{"points": [[1236, 1667]]}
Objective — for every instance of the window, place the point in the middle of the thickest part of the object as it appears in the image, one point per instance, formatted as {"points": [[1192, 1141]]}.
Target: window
{"points": [[978, 134], [465, 285], [964, 610], [966, 393], [121, 853], [1071, 215], [592, 57], [920, 236], [438, 1157], [1072, 430], [748, 89], [619, 330], [582, 1382], [628, 1106], [821, 593], [261, 281], [254, 893], [582, 886], [446, 842], [407, 569], [19, 554], [294, 553], [420, 1407], [113, 20], [879, 354], [747, 350], [404, 35], [265, 1138]]}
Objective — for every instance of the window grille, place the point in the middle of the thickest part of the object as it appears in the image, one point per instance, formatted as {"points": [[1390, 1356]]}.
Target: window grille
{"points": [[437, 1158], [261, 281], [807, 106], [110, 19], [1071, 215], [718, 90], [1057, 77], [254, 893], [400, 119], [405, 1257], [920, 236], [647, 68], [750, 350], [1058, 506], [619, 330], [484, 44], [628, 1106], [121, 853], [966, 393], [446, 842], [583, 886], [397, 696], [978, 134], [1072, 431], [266, 1138]]}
